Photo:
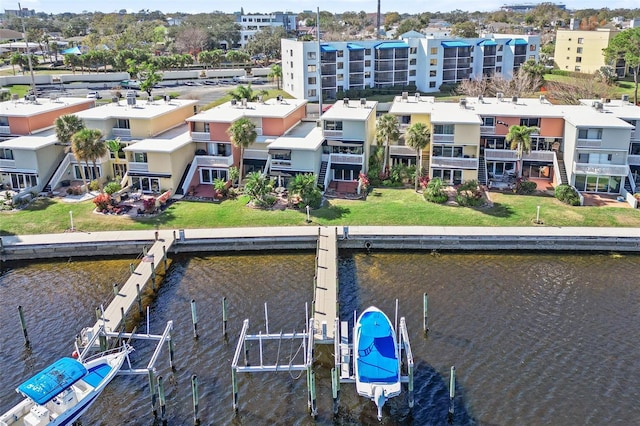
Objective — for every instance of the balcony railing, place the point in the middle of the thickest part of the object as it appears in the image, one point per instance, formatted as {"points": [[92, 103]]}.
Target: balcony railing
{"points": [[8, 163], [138, 167], [4, 130], [501, 154], [488, 130], [201, 136], [601, 169], [347, 158], [213, 161], [589, 143], [442, 139], [401, 150], [280, 164], [333, 133], [121, 133], [455, 162], [538, 156], [634, 160]]}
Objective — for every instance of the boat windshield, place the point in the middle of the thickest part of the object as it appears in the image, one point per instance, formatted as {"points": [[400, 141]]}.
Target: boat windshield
{"points": [[48, 383]]}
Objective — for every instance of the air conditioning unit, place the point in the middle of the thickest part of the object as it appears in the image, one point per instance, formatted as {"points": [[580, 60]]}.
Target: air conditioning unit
{"points": [[243, 102], [500, 96], [167, 98], [625, 98], [514, 99], [346, 102], [363, 102], [32, 98], [279, 98], [480, 99], [131, 101], [417, 96], [542, 99], [115, 99], [260, 98], [463, 103], [234, 102], [598, 106], [405, 96]]}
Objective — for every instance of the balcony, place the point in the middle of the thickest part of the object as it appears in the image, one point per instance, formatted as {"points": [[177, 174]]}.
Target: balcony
{"points": [[633, 160], [138, 167], [401, 150], [346, 158], [488, 130], [455, 162], [201, 136], [538, 156], [8, 164], [589, 143], [280, 164], [601, 169], [5, 130], [332, 133], [121, 133], [213, 161], [500, 154], [442, 139]]}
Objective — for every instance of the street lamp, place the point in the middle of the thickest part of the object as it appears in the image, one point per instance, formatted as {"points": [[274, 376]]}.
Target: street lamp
{"points": [[71, 217], [308, 217]]}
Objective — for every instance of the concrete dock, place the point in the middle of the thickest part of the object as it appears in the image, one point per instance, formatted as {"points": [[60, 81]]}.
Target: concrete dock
{"points": [[325, 302]]}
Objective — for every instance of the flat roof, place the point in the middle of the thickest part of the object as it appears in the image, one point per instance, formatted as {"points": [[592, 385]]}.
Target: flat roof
{"points": [[353, 111], [441, 112], [142, 109], [22, 108], [305, 136], [617, 107], [161, 145], [31, 143], [227, 113]]}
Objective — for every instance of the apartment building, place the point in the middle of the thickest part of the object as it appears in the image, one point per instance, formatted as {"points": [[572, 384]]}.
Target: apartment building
{"points": [[251, 24], [590, 146], [310, 68], [27, 162], [581, 51]]}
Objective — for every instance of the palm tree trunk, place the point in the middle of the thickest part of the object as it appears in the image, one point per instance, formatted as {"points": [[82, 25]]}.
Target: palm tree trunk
{"points": [[241, 166], [418, 166]]}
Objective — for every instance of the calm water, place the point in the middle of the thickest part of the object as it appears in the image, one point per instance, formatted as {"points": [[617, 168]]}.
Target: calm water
{"points": [[536, 339]]}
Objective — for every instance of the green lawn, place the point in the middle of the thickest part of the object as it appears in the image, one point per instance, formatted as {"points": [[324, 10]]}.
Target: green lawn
{"points": [[382, 207]]}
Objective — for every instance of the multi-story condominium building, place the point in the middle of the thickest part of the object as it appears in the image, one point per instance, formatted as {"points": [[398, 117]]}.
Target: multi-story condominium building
{"points": [[589, 146], [27, 162], [30, 115], [310, 69], [251, 24], [581, 51]]}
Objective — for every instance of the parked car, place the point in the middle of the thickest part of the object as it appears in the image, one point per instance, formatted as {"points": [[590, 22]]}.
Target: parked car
{"points": [[94, 95]]}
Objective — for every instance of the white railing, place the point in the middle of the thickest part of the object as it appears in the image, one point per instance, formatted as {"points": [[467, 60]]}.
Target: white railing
{"points": [[121, 133], [401, 150], [60, 171], [332, 133], [538, 156], [280, 164], [632, 181], [589, 143], [5, 130], [212, 161], [138, 167], [442, 139], [256, 154], [327, 175], [267, 167], [457, 162], [347, 158], [601, 169], [201, 136], [556, 169], [488, 129], [8, 163], [634, 160], [501, 154]]}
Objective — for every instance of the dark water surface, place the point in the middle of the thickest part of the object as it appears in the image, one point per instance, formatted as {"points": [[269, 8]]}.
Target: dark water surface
{"points": [[536, 339]]}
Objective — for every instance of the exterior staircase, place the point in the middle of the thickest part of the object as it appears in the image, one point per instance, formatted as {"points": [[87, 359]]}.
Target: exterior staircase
{"points": [[323, 174], [482, 170], [561, 169], [180, 189], [627, 185], [426, 161]]}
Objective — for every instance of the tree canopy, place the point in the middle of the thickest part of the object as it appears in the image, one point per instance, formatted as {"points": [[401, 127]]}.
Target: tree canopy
{"points": [[626, 45]]}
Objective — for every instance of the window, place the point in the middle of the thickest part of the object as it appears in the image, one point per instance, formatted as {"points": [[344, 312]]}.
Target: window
{"points": [[367, 74], [577, 68], [443, 129], [500, 47], [579, 50], [340, 53], [122, 123], [489, 121], [340, 77], [532, 47], [580, 40], [498, 58], [140, 157], [333, 125], [311, 56], [531, 57], [412, 73], [432, 85], [498, 70], [530, 122], [413, 61], [6, 154], [433, 62], [433, 73], [312, 93], [340, 65], [590, 134], [311, 80], [311, 68], [291, 52], [367, 52], [4, 121], [413, 50], [367, 63], [578, 59], [434, 50]]}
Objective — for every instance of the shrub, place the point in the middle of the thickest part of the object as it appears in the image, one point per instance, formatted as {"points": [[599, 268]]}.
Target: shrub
{"points": [[434, 192], [469, 194], [220, 187], [149, 204], [102, 201], [94, 185], [568, 195], [526, 187], [112, 187]]}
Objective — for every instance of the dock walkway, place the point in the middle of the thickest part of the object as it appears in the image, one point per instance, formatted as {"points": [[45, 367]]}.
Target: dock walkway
{"points": [[325, 302]]}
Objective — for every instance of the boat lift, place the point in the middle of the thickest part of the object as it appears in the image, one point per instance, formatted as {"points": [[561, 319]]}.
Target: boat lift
{"points": [[344, 367], [306, 344]]}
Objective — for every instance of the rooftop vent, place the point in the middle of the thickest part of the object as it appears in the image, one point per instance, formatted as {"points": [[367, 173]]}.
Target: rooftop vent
{"points": [[417, 95], [363, 102], [405, 96], [514, 99], [598, 106], [15, 97], [625, 98], [243, 102], [260, 98], [279, 98], [500, 96], [542, 99], [167, 98], [234, 102], [131, 100], [480, 99], [346, 102], [463, 103]]}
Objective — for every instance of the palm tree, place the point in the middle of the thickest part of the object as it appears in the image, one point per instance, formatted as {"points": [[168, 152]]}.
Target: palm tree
{"points": [[246, 92], [304, 186], [242, 133], [418, 137], [519, 138], [78, 145], [387, 131], [276, 74], [66, 126], [95, 148], [258, 187]]}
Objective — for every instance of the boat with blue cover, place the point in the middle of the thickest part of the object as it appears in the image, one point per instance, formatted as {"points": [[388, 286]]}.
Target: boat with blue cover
{"points": [[60, 393], [376, 358]]}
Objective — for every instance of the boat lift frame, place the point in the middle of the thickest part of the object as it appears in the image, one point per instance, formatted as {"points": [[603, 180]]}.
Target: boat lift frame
{"points": [[306, 339]]}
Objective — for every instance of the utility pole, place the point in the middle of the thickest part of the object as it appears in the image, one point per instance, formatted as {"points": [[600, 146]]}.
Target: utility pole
{"points": [[26, 41], [378, 22]]}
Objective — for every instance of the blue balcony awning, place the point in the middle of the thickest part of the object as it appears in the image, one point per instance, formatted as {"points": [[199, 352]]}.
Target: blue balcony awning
{"points": [[392, 45], [455, 44], [517, 42], [354, 46], [327, 48], [487, 43]]}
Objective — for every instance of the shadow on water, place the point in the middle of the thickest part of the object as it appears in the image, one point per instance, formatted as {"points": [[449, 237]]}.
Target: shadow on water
{"points": [[349, 291]]}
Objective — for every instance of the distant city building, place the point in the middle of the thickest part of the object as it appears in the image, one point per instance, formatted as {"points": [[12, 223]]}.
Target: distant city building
{"points": [[581, 51], [527, 7], [24, 12], [425, 62], [251, 24]]}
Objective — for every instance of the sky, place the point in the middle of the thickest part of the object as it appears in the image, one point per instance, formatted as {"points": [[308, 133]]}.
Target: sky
{"points": [[260, 6]]}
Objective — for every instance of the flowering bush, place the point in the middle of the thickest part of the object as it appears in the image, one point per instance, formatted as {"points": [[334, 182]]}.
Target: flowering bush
{"points": [[363, 180], [149, 204], [102, 201]]}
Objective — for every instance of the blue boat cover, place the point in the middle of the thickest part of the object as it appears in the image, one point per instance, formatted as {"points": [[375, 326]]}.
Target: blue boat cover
{"points": [[48, 383], [377, 357]]}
